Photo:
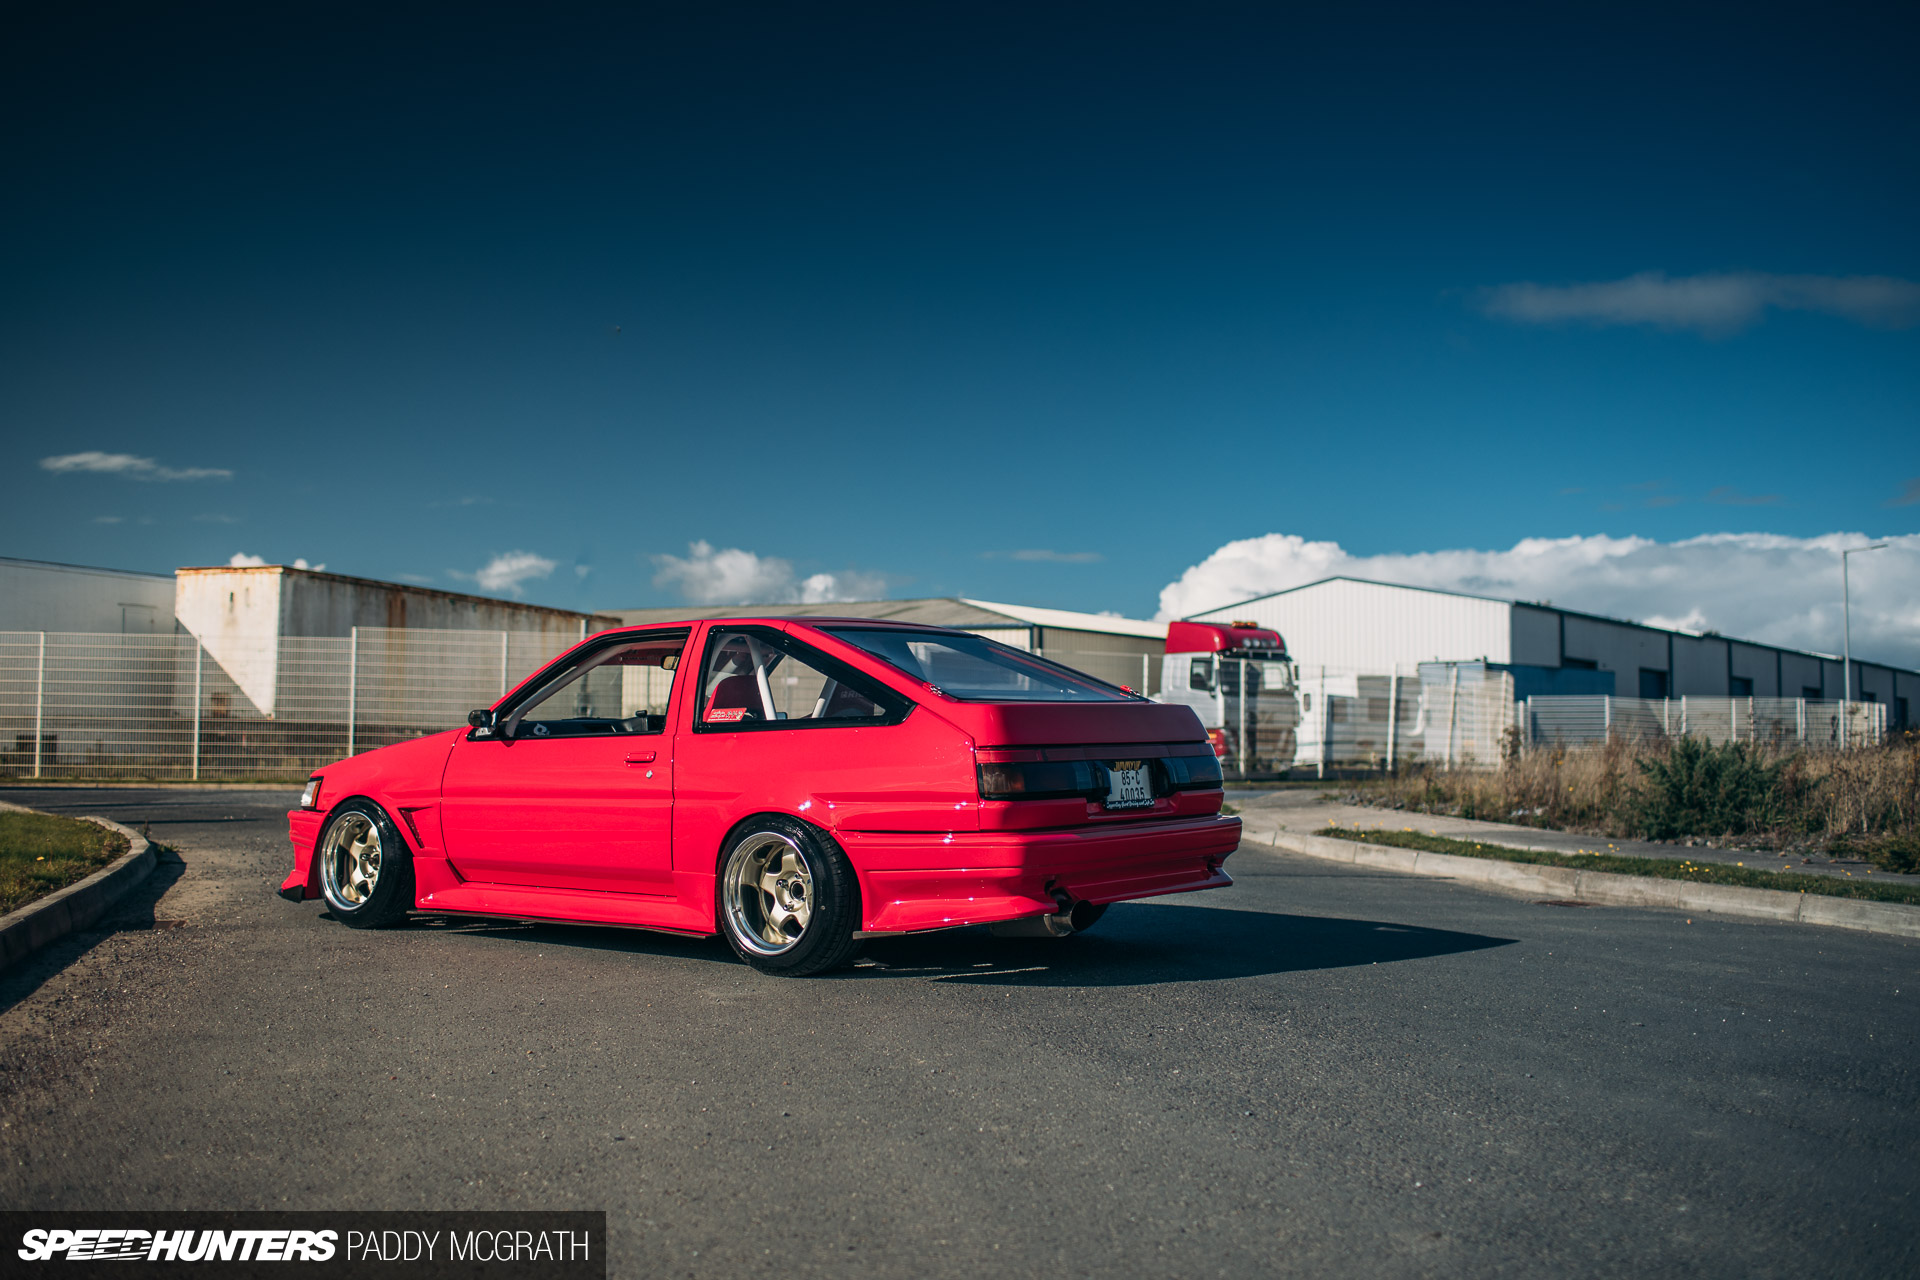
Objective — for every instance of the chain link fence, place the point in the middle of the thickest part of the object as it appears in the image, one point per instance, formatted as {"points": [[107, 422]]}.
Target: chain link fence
{"points": [[79, 706]]}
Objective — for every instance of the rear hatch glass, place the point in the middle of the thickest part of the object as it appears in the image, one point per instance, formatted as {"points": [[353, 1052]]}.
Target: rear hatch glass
{"points": [[976, 669]]}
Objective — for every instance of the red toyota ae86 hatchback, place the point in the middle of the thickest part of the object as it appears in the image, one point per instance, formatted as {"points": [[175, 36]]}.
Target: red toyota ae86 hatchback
{"points": [[806, 785]]}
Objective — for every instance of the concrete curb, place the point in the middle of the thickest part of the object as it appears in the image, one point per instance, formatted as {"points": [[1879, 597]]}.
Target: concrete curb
{"points": [[1608, 888], [64, 911]]}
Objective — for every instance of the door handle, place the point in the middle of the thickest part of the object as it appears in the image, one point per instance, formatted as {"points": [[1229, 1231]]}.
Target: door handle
{"points": [[640, 757]]}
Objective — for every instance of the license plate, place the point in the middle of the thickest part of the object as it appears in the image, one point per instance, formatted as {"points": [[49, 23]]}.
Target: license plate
{"points": [[1131, 786]]}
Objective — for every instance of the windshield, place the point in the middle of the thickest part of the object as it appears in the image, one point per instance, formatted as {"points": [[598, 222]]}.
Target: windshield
{"points": [[976, 669]]}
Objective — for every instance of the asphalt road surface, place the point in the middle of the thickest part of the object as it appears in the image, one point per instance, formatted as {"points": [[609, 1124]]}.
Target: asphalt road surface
{"points": [[1321, 1071]]}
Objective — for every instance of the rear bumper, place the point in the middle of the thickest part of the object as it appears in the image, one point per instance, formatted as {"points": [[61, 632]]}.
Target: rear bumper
{"points": [[911, 881]]}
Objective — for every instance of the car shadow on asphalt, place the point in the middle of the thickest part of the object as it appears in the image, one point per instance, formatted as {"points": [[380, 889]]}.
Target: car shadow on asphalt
{"points": [[1143, 944], [1137, 944]]}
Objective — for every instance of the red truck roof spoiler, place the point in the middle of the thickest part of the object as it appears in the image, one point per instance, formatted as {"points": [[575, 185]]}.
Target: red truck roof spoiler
{"points": [[1242, 639]]}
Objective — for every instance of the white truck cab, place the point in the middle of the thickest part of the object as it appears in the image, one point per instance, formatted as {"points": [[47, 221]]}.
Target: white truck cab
{"points": [[1238, 679]]}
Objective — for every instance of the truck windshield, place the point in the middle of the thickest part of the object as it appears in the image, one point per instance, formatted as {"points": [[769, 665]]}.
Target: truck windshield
{"points": [[975, 669]]}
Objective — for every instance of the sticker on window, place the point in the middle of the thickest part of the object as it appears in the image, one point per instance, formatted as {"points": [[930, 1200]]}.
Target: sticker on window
{"points": [[728, 715]]}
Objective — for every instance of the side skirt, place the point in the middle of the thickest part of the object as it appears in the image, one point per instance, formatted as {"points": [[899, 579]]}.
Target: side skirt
{"points": [[563, 906]]}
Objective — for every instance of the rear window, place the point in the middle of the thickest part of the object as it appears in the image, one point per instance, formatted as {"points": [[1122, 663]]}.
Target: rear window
{"points": [[975, 669]]}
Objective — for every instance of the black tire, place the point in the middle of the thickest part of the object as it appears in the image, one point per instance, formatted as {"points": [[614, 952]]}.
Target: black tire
{"points": [[356, 898], [786, 898]]}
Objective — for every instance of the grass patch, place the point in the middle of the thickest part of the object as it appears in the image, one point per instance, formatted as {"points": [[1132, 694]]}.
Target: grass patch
{"points": [[40, 852], [1862, 803], [1661, 868]]}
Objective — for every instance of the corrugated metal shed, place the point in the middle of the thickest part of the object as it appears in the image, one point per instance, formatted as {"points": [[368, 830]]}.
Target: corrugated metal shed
{"points": [[1374, 626]]}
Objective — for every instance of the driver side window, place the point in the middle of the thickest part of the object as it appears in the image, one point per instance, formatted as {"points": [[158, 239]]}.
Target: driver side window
{"points": [[617, 689]]}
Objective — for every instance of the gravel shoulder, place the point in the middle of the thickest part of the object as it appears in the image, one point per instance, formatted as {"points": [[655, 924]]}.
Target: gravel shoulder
{"points": [[1306, 811]]}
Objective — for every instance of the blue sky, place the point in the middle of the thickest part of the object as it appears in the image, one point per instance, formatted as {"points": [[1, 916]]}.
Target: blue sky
{"points": [[1035, 303]]}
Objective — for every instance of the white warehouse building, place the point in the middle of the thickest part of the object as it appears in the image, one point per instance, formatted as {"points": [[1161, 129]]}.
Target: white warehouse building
{"points": [[1350, 624]]}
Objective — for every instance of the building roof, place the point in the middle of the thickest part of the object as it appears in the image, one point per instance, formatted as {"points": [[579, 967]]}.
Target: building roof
{"points": [[1367, 582], [966, 615], [1068, 620], [936, 612], [82, 568], [405, 588]]}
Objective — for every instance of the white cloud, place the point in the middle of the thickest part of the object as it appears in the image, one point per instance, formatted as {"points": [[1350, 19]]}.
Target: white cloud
{"points": [[507, 572], [241, 560], [1757, 586], [1043, 556], [733, 576], [1712, 304], [128, 465]]}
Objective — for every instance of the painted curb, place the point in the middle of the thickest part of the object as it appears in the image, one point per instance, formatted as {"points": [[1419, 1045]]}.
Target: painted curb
{"points": [[64, 911], [1609, 888]]}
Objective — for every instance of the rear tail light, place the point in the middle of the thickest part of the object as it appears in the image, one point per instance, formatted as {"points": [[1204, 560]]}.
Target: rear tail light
{"points": [[1218, 738], [1054, 779], [1192, 773]]}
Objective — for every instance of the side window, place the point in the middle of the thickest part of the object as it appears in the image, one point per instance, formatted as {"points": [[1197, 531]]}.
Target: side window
{"points": [[620, 688], [764, 679], [1200, 675]]}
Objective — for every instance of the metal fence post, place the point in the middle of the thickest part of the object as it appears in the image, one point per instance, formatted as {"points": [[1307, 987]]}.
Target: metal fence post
{"points": [[1146, 690], [1683, 715], [39, 702], [1326, 722], [1246, 755], [1606, 717], [1453, 706], [1800, 718], [353, 685], [199, 654], [503, 664], [1393, 717]]}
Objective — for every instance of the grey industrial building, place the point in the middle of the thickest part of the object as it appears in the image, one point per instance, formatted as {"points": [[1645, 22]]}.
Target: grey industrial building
{"points": [[1351, 624]]}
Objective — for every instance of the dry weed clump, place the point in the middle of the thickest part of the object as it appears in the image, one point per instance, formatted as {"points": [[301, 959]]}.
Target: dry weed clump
{"points": [[1864, 802]]}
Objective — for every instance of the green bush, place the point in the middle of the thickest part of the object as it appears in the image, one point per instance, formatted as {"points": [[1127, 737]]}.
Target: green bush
{"points": [[1897, 853], [1699, 788]]}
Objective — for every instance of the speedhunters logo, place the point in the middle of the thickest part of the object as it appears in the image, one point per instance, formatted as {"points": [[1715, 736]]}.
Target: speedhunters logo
{"points": [[108, 1244], [503, 1245]]}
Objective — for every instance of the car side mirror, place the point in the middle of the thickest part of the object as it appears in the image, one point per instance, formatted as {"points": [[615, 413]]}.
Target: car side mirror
{"points": [[482, 721]]}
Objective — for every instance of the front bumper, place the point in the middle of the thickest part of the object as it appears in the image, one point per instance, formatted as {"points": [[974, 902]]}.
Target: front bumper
{"points": [[303, 828], [917, 881]]}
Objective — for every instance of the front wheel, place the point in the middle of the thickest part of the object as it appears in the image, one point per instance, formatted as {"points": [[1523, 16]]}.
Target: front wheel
{"points": [[366, 870], [789, 902]]}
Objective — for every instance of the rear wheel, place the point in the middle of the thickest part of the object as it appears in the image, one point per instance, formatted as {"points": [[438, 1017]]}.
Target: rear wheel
{"points": [[366, 870], [789, 902]]}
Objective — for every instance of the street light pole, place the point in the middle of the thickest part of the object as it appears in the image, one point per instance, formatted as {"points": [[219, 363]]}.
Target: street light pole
{"points": [[1846, 636]]}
